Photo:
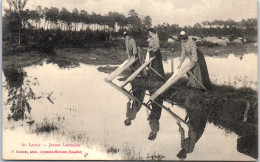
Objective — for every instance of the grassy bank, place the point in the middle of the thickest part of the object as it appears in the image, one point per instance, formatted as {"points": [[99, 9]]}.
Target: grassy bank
{"points": [[104, 56], [112, 52], [22, 59], [234, 109]]}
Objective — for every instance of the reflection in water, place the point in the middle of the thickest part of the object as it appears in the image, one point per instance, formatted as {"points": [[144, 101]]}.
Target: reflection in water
{"points": [[197, 125], [18, 94], [92, 111], [248, 144], [236, 70], [63, 63]]}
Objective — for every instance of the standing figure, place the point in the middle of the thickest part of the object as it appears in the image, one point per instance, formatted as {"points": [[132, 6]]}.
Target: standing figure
{"points": [[157, 65], [154, 49], [200, 70], [139, 92], [132, 50], [197, 126]]}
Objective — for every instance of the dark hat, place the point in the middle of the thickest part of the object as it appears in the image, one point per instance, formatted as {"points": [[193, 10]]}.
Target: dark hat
{"points": [[152, 30], [126, 33], [170, 37], [182, 36], [182, 154]]}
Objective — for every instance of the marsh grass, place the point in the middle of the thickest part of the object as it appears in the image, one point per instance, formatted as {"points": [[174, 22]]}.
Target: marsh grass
{"points": [[223, 105], [111, 149], [113, 55], [130, 153], [46, 127], [155, 157], [19, 60]]}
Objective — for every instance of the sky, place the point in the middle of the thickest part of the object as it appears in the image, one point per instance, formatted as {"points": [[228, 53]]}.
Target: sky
{"points": [[182, 12]]}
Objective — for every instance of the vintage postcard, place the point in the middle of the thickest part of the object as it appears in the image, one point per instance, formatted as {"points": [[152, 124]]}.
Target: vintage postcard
{"points": [[130, 80]]}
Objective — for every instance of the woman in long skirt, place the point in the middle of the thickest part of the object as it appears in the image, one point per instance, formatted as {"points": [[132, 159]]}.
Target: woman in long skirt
{"points": [[154, 49], [200, 70]]}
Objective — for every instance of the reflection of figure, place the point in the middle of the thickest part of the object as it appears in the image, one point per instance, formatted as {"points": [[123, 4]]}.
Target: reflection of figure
{"points": [[196, 129], [133, 51], [63, 63], [154, 49], [200, 70], [18, 96], [47, 43], [248, 144]]}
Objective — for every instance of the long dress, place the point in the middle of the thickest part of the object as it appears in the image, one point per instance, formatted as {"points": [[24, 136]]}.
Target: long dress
{"points": [[133, 50], [200, 70], [140, 92], [198, 124], [157, 65]]}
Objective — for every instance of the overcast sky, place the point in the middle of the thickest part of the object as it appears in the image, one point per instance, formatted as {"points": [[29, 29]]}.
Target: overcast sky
{"points": [[182, 12]]}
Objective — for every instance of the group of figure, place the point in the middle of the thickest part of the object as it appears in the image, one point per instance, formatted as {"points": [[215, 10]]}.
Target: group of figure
{"points": [[200, 72], [154, 51]]}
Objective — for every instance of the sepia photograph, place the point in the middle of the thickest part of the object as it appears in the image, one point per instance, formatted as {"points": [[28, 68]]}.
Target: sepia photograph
{"points": [[142, 80]]}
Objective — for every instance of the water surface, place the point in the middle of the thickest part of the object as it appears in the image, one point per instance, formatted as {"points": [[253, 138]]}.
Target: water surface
{"points": [[78, 101]]}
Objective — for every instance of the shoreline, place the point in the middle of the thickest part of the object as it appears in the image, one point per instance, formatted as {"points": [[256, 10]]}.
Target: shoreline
{"points": [[112, 56]]}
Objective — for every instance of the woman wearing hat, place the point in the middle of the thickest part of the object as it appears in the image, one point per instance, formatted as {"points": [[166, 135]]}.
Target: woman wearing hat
{"points": [[197, 126], [132, 50], [200, 70], [154, 49]]}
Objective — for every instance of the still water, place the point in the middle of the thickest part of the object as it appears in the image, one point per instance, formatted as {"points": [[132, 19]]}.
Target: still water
{"points": [[79, 102], [238, 71]]}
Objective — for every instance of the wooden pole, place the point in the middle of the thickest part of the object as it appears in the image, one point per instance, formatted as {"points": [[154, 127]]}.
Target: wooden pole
{"points": [[173, 114], [172, 65], [197, 80]]}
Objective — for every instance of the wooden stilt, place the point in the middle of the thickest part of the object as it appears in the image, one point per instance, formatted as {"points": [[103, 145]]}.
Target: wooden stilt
{"points": [[121, 68], [198, 81], [157, 73], [124, 91], [173, 79], [131, 77], [179, 119]]}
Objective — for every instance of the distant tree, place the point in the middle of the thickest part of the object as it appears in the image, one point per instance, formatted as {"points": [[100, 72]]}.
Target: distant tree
{"points": [[93, 20], [242, 24], [40, 14], [25, 15], [53, 16], [15, 10], [197, 26], [75, 18], [206, 23], [46, 16], [134, 21], [65, 18], [84, 18], [35, 17], [99, 21], [251, 23], [115, 17], [147, 22], [231, 23]]}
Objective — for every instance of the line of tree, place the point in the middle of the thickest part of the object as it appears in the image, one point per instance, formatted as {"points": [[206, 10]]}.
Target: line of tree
{"points": [[17, 19], [244, 28], [53, 18], [245, 24]]}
